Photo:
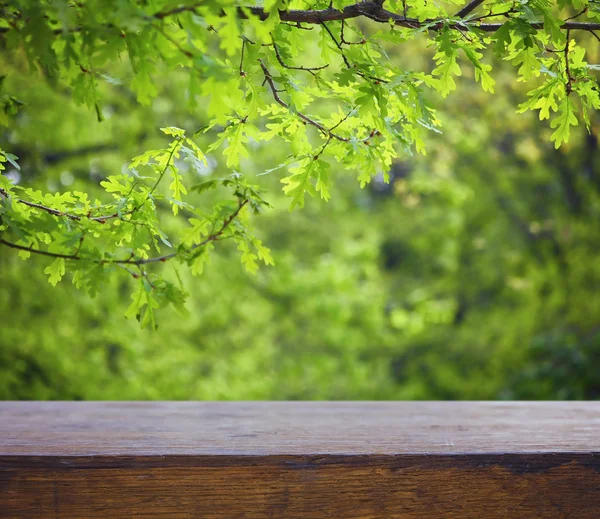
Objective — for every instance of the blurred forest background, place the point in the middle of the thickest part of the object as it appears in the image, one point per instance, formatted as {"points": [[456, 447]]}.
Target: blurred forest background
{"points": [[473, 274]]}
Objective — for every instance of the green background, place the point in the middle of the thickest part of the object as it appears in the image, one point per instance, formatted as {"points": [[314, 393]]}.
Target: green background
{"points": [[473, 274]]}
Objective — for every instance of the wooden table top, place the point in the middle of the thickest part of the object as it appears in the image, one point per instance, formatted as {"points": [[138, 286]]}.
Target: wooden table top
{"points": [[296, 428]]}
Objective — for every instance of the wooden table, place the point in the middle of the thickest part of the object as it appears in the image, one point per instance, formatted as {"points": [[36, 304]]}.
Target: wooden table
{"points": [[347, 460]]}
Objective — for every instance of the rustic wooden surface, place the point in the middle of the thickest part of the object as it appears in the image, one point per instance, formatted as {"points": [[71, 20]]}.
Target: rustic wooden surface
{"points": [[88, 460]]}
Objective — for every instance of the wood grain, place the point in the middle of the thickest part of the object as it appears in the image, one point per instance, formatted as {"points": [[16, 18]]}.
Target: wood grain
{"points": [[346, 460]]}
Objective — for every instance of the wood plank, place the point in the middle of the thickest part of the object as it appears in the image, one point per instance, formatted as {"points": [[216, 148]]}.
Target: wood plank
{"points": [[300, 460]]}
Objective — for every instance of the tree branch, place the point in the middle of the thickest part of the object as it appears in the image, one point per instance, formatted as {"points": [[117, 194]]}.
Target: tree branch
{"points": [[374, 11], [211, 238], [37, 251], [70, 216], [130, 261], [471, 6], [366, 9], [103, 218], [56, 212], [177, 10]]}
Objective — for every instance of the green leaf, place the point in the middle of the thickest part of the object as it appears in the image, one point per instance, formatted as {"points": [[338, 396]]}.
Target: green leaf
{"points": [[200, 261], [503, 38], [55, 271], [299, 183], [113, 184], [177, 189], [174, 131], [563, 122], [205, 186], [447, 65], [248, 257], [264, 254], [12, 159]]}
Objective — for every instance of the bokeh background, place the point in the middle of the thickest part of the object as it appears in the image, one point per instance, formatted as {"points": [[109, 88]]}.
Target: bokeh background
{"points": [[473, 274]]}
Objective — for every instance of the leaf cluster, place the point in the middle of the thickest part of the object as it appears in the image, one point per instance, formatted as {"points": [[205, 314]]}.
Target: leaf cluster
{"points": [[318, 81], [124, 230]]}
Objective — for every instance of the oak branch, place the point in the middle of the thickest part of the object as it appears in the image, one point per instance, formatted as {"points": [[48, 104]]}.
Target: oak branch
{"points": [[375, 11]]}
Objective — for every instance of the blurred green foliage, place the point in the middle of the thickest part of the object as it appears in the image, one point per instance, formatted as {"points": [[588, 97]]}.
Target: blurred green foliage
{"points": [[472, 274]]}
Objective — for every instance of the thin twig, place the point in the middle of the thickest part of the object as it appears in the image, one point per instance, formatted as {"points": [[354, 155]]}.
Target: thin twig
{"points": [[366, 77], [133, 274], [178, 10], [308, 120], [284, 65], [569, 84], [56, 212], [337, 44], [37, 251], [213, 237], [176, 147], [168, 37], [242, 73], [343, 41], [583, 11]]}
